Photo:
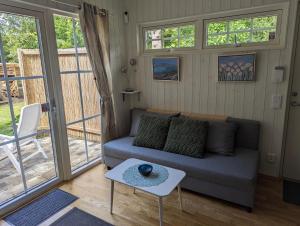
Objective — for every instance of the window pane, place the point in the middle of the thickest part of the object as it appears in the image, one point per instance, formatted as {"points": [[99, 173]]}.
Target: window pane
{"points": [[187, 31], [71, 95], [187, 42], [216, 27], [261, 36], [90, 95], [265, 22], [10, 180], [21, 45], [243, 37], [171, 43], [93, 135], [153, 34], [217, 40], [64, 32], [242, 24], [76, 145], [153, 44], [171, 32], [79, 35]]}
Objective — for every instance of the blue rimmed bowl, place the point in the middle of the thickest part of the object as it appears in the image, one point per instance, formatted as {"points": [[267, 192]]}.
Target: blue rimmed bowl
{"points": [[145, 169]]}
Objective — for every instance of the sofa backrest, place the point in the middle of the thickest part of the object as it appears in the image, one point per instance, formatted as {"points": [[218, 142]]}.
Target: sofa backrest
{"points": [[247, 134], [248, 130], [198, 116], [206, 117]]}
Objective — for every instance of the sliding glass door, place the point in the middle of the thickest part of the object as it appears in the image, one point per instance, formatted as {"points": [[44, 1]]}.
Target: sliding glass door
{"points": [[27, 144], [50, 115], [80, 96]]}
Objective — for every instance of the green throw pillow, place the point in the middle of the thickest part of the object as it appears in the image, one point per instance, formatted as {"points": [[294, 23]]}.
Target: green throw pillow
{"points": [[187, 137], [152, 132]]}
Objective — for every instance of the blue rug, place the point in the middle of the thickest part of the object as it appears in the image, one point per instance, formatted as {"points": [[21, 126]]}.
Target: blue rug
{"points": [[41, 209], [77, 217]]}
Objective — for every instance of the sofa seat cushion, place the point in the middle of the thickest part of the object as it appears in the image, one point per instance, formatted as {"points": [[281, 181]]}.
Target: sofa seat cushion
{"points": [[238, 171]]}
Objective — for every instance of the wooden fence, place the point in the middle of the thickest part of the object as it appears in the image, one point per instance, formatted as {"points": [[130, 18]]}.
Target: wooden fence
{"points": [[34, 91], [13, 70]]}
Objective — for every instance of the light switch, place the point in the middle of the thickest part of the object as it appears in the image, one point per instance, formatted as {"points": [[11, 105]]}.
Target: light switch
{"points": [[278, 74], [276, 101]]}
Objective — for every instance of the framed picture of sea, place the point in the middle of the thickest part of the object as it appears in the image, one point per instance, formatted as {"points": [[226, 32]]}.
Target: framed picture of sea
{"points": [[165, 68], [236, 67]]}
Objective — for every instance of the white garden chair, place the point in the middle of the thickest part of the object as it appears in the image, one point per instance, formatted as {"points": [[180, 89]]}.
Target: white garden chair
{"points": [[28, 125]]}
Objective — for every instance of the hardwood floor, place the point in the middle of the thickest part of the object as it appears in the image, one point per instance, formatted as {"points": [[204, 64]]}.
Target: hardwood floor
{"points": [[93, 191]]}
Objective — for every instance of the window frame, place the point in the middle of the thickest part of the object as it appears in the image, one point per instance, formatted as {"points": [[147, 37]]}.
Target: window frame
{"points": [[170, 25], [276, 41], [198, 20]]}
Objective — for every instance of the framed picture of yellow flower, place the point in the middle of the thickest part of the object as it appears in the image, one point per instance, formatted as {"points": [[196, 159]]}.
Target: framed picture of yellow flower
{"points": [[240, 67]]}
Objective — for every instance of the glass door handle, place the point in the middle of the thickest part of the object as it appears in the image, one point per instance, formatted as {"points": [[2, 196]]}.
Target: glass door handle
{"points": [[295, 104], [46, 107]]}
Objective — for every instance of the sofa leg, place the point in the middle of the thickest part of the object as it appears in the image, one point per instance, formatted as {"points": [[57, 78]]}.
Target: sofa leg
{"points": [[249, 209]]}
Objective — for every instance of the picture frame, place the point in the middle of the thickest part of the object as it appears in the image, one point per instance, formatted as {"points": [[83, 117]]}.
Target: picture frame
{"points": [[166, 68], [237, 67]]}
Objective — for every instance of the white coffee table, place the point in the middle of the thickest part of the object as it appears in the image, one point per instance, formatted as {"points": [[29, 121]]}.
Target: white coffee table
{"points": [[164, 189]]}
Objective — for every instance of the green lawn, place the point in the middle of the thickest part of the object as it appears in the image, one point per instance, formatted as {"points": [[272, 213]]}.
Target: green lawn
{"points": [[5, 118]]}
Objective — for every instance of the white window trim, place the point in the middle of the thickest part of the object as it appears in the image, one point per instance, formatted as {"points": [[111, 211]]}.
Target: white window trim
{"points": [[171, 25], [276, 41], [199, 32]]}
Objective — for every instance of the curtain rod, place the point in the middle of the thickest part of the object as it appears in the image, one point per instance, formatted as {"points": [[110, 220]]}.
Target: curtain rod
{"points": [[73, 5], [68, 4]]}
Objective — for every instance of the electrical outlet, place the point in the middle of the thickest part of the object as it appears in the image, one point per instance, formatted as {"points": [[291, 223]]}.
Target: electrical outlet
{"points": [[271, 157]]}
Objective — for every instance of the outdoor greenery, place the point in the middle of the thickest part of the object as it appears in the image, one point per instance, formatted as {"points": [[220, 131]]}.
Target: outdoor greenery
{"points": [[5, 117], [20, 32], [246, 30], [171, 37]]}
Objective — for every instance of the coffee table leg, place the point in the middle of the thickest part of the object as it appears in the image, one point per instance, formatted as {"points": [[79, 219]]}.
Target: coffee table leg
{"points": [[161, 211], [111, 195], [133, 190], [179, 197]]}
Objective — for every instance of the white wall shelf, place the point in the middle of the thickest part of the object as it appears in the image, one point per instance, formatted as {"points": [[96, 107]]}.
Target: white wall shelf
{"points": [[134, 92]]}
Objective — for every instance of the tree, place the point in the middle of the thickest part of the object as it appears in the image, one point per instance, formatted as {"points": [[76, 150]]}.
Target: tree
{"points": [[20, 32], [17, 32]]}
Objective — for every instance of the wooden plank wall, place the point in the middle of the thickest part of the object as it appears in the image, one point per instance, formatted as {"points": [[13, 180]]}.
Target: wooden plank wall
{"points": [[199, 90]]}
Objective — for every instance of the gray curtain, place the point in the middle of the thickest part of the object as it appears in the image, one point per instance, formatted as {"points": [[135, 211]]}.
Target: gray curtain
{"points": [[94, 25]]}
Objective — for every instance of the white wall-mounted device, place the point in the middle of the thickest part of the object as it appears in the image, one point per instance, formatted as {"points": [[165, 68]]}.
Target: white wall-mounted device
{"points": [[276, 101], [126, 17], [278, 74]]}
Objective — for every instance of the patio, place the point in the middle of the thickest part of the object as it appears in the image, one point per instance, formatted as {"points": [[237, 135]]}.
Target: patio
{"points": [[38, 169]]}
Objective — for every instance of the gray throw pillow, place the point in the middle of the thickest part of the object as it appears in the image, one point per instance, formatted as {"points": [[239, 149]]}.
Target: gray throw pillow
{"points": [[247, 135], [152, 132], [221, 137], [187, 137], [136, 114]]}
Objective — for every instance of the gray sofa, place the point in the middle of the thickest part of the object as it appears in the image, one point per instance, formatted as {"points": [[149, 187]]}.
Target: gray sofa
{"points": [[231, 178]]}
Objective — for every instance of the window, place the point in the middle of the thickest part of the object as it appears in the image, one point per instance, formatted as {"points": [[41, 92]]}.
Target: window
{"points": [[182, 36], [242, 30]]}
